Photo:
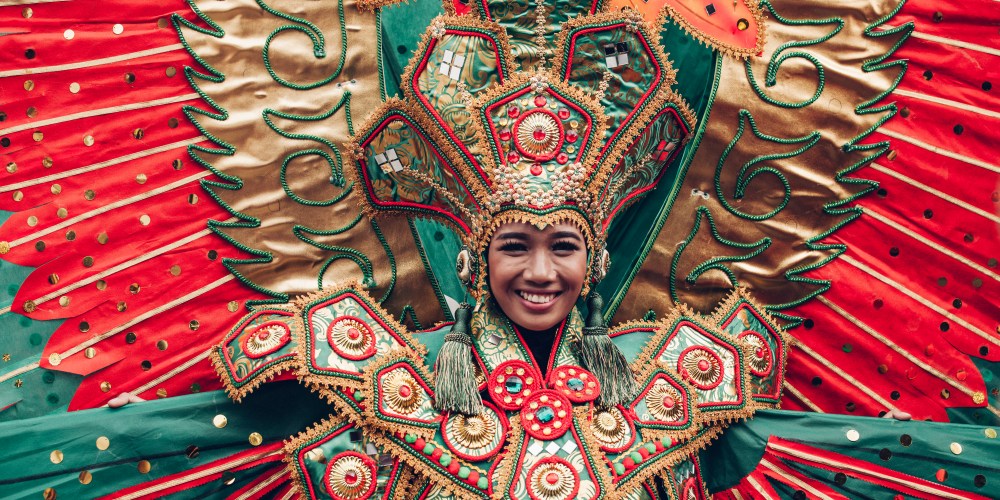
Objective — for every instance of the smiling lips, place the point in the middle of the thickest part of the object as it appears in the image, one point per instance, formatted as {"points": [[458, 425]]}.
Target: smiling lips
{"points": [[538, 298]]}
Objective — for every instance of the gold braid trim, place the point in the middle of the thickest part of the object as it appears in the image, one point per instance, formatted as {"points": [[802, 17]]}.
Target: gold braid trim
{"points": [[219, 362], [371, 5], [667, 14], [315, 431], [368, 390], [740, 295], [582, 414], [508, 462], [700, 442]]}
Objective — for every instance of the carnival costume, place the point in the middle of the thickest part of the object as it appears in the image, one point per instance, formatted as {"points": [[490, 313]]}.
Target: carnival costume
{"points": [[697, 193]]}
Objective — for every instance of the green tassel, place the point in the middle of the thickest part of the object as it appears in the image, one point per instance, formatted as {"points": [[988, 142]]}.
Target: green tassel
{"points": [[455, 376], [603, 359]]}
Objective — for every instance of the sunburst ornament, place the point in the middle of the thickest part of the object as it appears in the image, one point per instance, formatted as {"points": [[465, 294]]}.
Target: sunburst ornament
{"points": [[401, 392], [611, 429], [539, 134], [552, 478], [350, 476], [701, 367], [761, 357], [665, 403], [266, 339], [474, 437], [351, 338]]}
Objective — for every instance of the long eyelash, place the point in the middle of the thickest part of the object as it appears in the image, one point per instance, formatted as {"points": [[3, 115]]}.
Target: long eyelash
{"points": [[511, 245], [565, 245]]}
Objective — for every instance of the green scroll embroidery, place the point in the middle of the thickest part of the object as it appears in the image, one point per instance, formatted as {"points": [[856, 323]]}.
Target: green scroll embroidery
{"points": [[743, 178], [318, 43], [755, 249], [778, 58], [363, 262]]}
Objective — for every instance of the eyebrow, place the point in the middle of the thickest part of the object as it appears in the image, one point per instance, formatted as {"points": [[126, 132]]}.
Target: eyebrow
{"points": [[513, 235], [567, 234]]}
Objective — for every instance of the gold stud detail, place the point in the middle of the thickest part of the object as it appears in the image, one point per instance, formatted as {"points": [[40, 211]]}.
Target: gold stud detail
{"points": [[171, 71], [117, 29], [103, 443], [161, 345], [18, 196], [991, 433], [4, 247], [90, 352], [192, 198], [956, 448], [32, 221], [88, 261], [121, 306], [74, 87], [144, 466], [69, 34], [161, 393], [56, 189], [105, 386], [102, 238], [256, 439], [70, 235], [62, 213], [26, 12], [175, 270], [37, 136], [47, 162], [49, 494], [134, 288], [88, 140], [233, 306], [29, 306], [194, 325], [219, 421], [86, 477], [89, 195], [101, 284], [56, 456], [29, 85]]}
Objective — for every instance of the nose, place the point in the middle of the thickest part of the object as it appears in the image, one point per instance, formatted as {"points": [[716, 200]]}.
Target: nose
{"points": [[540, 268]]}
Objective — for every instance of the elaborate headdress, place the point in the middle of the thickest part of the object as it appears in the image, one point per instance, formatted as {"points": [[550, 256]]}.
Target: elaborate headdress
{"points": [[478, 142]]}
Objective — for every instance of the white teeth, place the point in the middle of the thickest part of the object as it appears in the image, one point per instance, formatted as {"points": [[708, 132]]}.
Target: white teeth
{"points": [[536, 298]]}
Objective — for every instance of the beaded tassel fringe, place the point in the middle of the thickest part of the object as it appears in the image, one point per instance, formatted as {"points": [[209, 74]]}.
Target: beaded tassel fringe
{"points": [[602, 357], [454, 375]]}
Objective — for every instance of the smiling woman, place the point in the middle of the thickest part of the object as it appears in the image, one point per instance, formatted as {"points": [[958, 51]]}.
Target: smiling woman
{"points": [[536, 275]]}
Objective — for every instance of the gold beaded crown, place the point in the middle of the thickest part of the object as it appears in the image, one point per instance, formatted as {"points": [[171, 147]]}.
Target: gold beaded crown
{"points": [[483, 136]]}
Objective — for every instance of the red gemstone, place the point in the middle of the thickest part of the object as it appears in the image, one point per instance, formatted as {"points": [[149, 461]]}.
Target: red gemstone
{"points": [[571, 136], [351, 477], [552, 478], [263, 335], [668, 402], [513, 112], [453, 467], [540, 101], [405, 391], [505, 135], [419, 444], [562, 158], [703, 365], [563, 114], [473, 477], [628, 463], [643, 452], [512, 157], [539, 134], [536, 169], [659, 446], [760, 352], [353, 333]]}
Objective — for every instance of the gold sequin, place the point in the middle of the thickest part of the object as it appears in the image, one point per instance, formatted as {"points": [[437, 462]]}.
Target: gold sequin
{"points": [[121, 306], [144, 466], [85, 477], [991, 433], [18, 383], [177, 164], [37, 136], [742, 24], [233, 306], [53, 279], [29, 85], [47, 162], [978, 397], [49, 494], [219, 421], [56, 189], [141, 178], [161, 22], [192, 198], [138, 133], [105, 386], [102, 238], [88, 261], [956, 448], [129, 78], [134, 288], [161, 393], [69, 34], [11, 167], [853, 435], [32, 112], [101, 284], [161, 345], [256, 439], [89, 195], [64, 301], [4, 247], [32, 221], [88, 140], [56, 456], [62, 213], [103, 443], [172, 123], [29, 307], [70, 235], [194, 325], [144, 219], [18, 196], [26, 13], [175, 270], [171, 71], [74, 87], [90, 352]]}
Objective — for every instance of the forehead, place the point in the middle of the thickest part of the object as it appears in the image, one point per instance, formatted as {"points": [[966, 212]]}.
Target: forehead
{"points": [[519, 229]]}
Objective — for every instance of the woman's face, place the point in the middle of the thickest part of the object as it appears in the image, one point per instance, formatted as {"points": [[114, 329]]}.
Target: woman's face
{"points": [[537, 275]]}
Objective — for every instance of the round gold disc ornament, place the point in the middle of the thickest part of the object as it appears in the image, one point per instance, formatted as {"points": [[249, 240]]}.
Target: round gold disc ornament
{"points": [[266, 339], [553, 478], [761, 357], [475, 437], [351, 338], [350, 476], [612, 430], [664, 402], [401, 392], [701, 367]]}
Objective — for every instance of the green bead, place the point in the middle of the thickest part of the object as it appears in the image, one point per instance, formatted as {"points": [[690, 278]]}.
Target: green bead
{"points": [[445, 460], [428, 449], [666, 441], [636, 457], [410, 438], [619, 469], [482, 484], [359, 396], [651, 447], [463, 472]]}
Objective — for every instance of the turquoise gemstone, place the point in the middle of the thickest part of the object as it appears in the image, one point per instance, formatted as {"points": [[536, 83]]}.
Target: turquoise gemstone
{"points": [[514, 384], [575, 384], [545, 414]]}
